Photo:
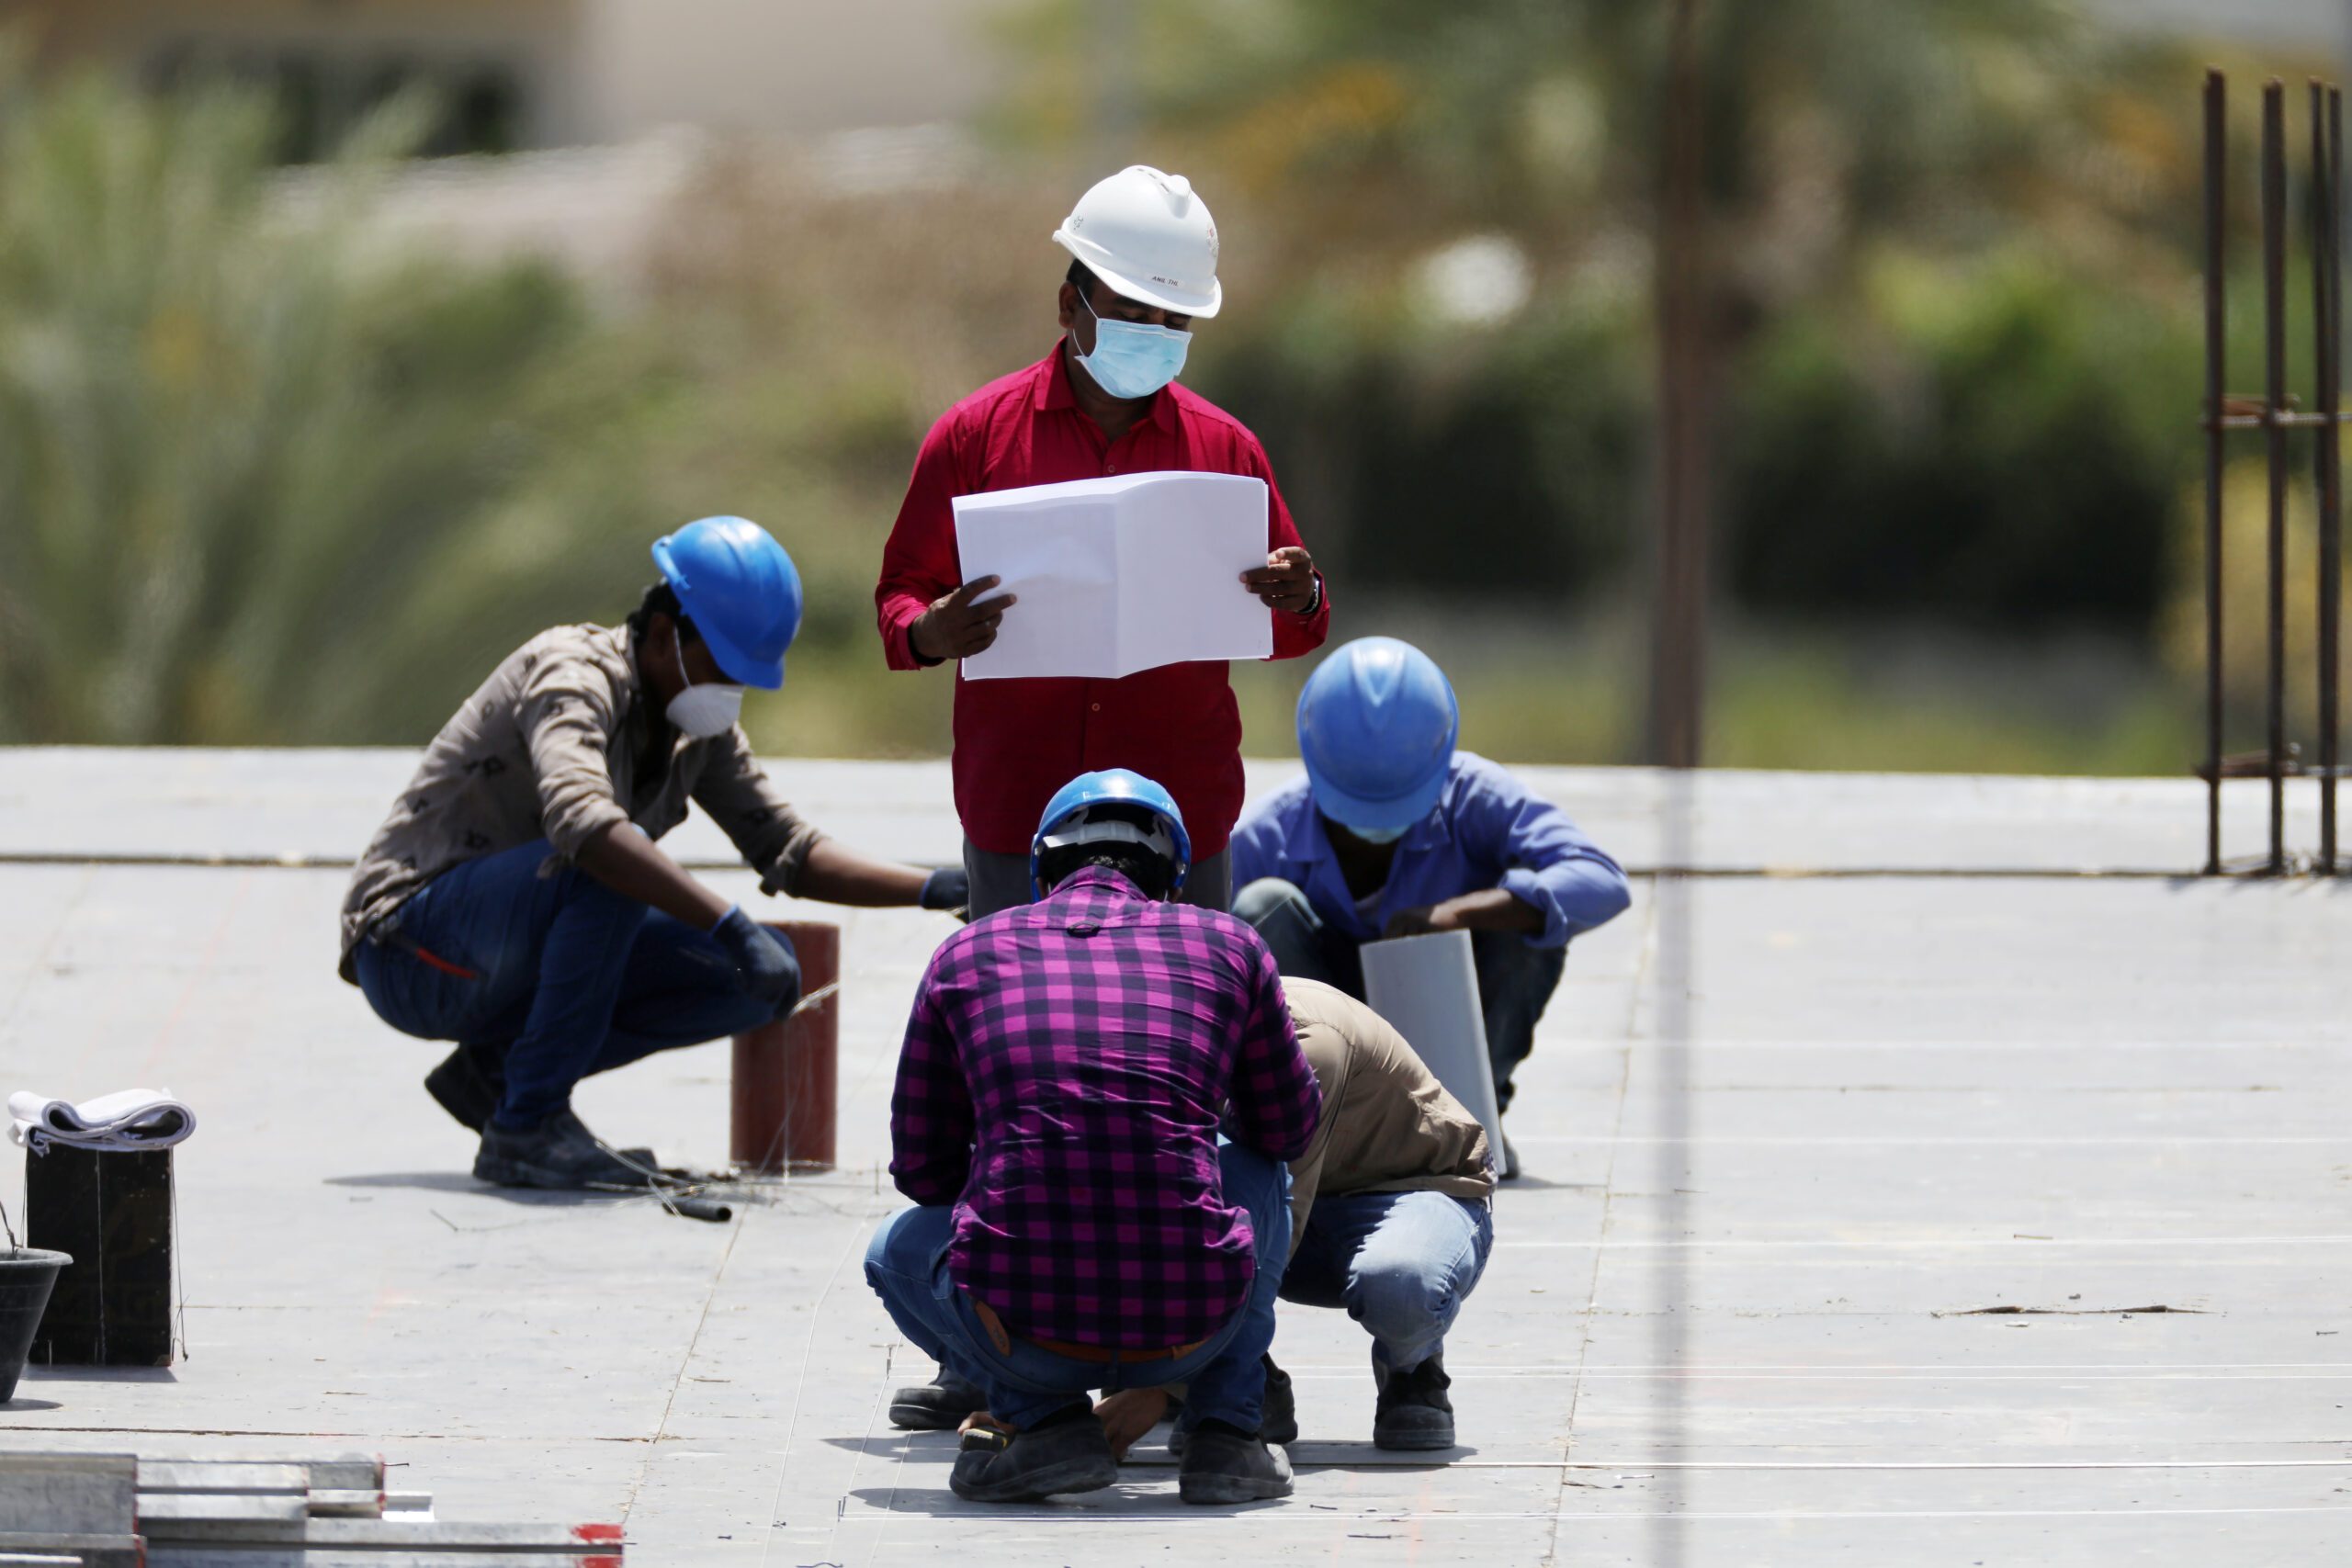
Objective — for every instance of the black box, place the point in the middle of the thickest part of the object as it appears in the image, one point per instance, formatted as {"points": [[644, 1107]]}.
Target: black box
{"points": [[112, 1306]]}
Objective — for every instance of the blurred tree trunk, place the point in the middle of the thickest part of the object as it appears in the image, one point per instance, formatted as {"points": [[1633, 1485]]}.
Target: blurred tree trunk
{"points": [[1688, 361]]}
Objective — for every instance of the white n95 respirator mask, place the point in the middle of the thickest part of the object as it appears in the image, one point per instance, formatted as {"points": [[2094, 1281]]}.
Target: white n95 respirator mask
{"points": [[702, 711]]}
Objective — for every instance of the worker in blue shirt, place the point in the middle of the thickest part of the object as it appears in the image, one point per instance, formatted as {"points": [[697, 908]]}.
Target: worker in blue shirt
{"points": [[1393, 832]]}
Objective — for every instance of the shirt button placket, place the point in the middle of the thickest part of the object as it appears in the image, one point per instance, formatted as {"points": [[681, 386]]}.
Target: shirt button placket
{"points": [[1087, 752], [1094, 704]]}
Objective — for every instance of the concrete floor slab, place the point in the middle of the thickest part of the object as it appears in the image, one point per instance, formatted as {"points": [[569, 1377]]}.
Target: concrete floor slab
{"points": [[1784, 1148], [320, 805]]}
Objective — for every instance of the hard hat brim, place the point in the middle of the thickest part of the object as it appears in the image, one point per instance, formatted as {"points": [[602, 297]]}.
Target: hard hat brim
{"points": [[1159, 296], [739, 666], [1355, 811]]}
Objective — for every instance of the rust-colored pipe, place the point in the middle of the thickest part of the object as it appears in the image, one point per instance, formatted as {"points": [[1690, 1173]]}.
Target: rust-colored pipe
{"points": [[786, 1073]]}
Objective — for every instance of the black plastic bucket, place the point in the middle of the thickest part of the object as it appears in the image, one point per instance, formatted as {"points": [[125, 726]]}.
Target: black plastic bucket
{"points": [[26, 1277]]}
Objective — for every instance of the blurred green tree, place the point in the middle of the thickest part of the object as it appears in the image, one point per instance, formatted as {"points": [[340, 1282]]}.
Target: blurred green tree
{"points": [[259, 480], [1378, 149], [1384, 126], [1992, 443]]}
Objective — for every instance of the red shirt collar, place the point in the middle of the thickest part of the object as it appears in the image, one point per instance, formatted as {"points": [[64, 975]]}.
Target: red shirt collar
{"points": [[1053, 392]]}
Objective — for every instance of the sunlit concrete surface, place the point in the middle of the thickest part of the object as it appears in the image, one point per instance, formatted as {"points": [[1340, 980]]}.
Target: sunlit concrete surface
{"points": [[1788, 1140], [320, 807]]}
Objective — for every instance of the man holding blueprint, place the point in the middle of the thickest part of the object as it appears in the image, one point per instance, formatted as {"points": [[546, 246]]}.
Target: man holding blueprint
{"points": [[1093, 610]]}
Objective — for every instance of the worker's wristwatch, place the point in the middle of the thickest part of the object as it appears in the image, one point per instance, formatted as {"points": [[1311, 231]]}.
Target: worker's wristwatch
{"points": [[1316, 602]]}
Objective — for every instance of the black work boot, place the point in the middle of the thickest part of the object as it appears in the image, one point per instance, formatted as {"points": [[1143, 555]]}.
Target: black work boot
{"points": [[467, 1085], [1279, 1423], [1277, 1418], [1222, 1464], [557, 1153], [1414, 1411], [1069, 1451], [939, 1406]]}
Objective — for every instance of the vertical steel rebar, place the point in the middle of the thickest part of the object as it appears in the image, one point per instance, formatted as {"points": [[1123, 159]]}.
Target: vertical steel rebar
{"points": [[2319, 218], [2274, 419], [2216, 142], [2327, 221]]}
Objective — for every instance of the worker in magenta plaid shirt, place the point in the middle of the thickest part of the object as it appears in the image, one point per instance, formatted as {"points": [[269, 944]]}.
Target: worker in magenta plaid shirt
{"points": [[1081, 1222]]}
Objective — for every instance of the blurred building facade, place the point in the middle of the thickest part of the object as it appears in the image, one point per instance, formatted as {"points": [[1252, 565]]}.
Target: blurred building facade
{"points": [[2295, 24], [534, 74]]}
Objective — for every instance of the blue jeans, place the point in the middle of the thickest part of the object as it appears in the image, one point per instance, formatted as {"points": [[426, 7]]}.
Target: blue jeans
{"points": [[536, 960], [907, 1265], [1401, 1264], [1515, 981]]}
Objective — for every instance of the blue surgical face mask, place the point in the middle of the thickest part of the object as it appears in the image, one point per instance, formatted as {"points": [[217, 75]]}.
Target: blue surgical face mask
{"points": [[1130, 359], [1379, 835]]}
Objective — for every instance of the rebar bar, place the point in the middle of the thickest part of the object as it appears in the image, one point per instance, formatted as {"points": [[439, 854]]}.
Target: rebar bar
{"points": [[2216, 438], [2327, 229], [2278, 413], [2274, 347]]}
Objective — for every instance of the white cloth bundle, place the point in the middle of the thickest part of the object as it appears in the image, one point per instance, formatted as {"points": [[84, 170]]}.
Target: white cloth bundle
{"points": [[129, 1121]]}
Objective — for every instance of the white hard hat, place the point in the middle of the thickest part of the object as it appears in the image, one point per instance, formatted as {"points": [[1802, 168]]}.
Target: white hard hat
{"points": [[1151, 238]]}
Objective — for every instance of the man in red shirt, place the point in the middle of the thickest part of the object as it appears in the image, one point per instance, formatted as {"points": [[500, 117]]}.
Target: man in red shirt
{"points": [[1105, 402]]}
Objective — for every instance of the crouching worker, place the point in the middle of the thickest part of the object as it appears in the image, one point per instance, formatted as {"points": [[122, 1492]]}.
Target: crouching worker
{"points": [[516, 901], [1393, 832], [1391, 1219], [1081, 1222]]}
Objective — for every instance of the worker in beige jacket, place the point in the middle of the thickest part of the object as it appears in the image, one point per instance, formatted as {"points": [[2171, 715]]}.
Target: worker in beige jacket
{"points": [[1392, 1219]]}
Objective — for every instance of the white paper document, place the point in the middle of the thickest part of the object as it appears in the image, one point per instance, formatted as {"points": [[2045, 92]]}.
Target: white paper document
{"points": [[1120, 574], [1427, 987], [128, 1120]]}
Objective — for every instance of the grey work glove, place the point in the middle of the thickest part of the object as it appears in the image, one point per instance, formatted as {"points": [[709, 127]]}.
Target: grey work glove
{"points": [[764, 966]]}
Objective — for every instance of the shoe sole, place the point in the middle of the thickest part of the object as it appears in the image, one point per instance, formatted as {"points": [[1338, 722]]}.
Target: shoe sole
{"points": [[1413, 1441], [923, 1418], [518, 1173], [514, 1173], [1090, 1475], [1213, 1490]]}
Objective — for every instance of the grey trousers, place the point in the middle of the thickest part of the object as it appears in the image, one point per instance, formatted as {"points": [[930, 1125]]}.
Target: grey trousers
{"points": [[1002, 882]]}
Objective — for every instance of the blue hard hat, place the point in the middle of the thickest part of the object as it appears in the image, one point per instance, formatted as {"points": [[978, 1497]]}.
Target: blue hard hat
{"points": [[734, 582], [1066, 820], [1376, 726]]}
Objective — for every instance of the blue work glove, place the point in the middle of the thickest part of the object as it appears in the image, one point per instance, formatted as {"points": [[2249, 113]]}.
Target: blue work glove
{"points": [[946, 888], [764, 966]]}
